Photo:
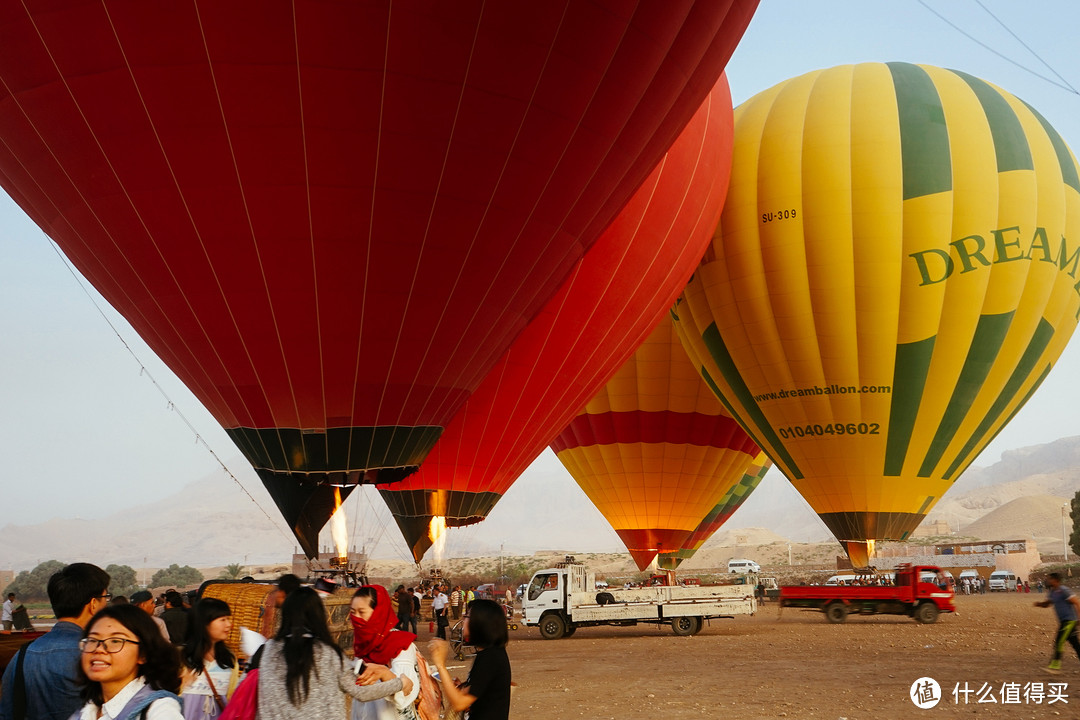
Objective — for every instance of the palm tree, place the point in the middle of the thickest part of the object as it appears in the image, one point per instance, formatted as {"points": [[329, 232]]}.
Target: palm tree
{"points": [[232, 572]]}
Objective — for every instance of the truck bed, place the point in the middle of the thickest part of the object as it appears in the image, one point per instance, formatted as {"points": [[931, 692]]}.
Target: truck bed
{"points": [[791, 593]]}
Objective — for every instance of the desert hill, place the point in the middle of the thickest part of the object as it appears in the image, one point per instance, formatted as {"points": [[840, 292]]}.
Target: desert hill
{"points": [[1035, 516], [211, 522]]}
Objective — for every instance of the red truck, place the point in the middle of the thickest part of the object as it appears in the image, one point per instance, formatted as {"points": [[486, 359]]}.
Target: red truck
{"points": [[908, 594]]}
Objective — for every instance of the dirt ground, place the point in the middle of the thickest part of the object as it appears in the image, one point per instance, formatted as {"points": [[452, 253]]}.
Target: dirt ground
{"points": [[795, 665]]}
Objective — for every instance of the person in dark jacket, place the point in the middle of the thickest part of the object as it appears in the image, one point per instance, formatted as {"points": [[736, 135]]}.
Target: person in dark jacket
{"points": [[50, 665]]}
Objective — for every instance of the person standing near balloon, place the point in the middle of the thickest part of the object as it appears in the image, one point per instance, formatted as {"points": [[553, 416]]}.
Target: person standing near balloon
{"points": [[485, 693], [302, 672], [439, 607], [375, 640], [1066, 606], [211, 671]]}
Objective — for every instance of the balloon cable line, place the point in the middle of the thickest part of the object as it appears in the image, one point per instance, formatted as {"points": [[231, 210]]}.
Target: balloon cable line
{"points": [[143, 370], [1064, 84], [1026, 46]]}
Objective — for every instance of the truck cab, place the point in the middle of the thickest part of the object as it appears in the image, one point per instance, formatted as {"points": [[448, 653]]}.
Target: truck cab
{"points": [[546, 589]]}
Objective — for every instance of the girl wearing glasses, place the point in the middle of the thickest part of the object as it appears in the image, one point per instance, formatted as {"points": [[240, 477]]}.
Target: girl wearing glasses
{"points": [[211, 671], [125, 666]]}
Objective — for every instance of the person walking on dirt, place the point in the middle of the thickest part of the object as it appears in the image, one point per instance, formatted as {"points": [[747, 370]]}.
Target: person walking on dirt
{"points": [[1066, 606]]}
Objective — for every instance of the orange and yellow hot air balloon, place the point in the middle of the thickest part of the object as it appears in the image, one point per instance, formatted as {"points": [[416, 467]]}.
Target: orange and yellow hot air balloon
{"points": [[732, 500], [655, 449]]}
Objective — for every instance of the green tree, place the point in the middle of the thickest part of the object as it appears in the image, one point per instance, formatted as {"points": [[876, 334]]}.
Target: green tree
{"points": [[1074, 513], [31, 585], [123, 580], [235, 571], [176, 576]]}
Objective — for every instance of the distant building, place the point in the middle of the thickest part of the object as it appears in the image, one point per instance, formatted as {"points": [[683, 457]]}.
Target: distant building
{"points": [[1020, 556], [935, 528], [6, 578]]}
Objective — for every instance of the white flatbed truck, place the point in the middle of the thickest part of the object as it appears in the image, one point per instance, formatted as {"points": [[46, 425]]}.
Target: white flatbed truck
{"points": [[561, 599]]}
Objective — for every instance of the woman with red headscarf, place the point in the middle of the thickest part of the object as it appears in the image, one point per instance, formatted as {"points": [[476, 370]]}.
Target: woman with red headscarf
{"points": [[375, 640]]}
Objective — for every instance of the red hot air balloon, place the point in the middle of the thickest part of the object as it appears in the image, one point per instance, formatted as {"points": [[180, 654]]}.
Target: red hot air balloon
{"points": [[331, 219], [616, 295]]}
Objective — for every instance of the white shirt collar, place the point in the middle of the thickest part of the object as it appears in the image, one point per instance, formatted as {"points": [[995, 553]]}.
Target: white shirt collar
{"points": [[113, 707]]}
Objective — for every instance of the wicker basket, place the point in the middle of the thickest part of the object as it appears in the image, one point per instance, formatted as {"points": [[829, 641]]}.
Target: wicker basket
{"points": [[253, 607]]}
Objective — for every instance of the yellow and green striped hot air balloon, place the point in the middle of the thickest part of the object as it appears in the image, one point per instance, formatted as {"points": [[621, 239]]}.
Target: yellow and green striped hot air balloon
{"points": [[896, 270], [654, 449], [732, 500]]}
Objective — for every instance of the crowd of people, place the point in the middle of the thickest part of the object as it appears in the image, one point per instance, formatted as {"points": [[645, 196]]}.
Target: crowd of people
{"points": [[138, 659]]}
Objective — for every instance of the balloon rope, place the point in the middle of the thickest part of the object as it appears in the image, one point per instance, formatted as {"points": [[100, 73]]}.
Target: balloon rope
{"points": [[1066, 86], [1026, 46], [143, 370]]}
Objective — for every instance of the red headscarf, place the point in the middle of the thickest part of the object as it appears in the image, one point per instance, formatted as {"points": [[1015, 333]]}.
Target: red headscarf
{"points": [[375, 639]]}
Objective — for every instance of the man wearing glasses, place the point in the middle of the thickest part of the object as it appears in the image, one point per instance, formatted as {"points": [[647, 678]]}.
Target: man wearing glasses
{"points": [[40, 681]]}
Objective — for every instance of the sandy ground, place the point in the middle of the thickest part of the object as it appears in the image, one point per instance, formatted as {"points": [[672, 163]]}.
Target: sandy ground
{"points": [[796, 665]]}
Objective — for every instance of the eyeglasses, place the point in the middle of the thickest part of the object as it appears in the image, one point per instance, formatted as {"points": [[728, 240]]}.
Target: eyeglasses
{"points": [[106, 596], [111, 645]]}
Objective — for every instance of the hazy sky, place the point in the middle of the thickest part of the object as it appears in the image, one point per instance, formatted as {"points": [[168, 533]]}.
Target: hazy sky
{"points": [[85, 433]]}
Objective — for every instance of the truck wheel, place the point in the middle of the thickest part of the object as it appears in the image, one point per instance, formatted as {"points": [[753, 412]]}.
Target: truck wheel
{"points": [[683, 626], [926, 613], [552, 626], [836, 612]]}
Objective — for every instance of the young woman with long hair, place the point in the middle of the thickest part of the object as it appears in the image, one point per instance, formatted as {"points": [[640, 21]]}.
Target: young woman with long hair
{"points": [[302, 672], [375, 640], [486, 692], [211, 671], [127, 665]]}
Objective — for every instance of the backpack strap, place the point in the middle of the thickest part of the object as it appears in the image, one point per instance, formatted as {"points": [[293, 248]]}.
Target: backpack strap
{"points": [[18, 700], [139, 705]]}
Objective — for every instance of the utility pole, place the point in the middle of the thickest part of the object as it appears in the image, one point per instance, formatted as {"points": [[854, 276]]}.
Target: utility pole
{"points": [[1064, 538]]}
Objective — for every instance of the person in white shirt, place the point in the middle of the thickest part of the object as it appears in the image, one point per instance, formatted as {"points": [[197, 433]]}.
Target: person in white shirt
{"points": [[126, 666], [439, 608], [7, 615]]}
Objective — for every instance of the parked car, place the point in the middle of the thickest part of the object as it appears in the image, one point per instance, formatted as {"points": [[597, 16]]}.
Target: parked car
{"points": [[742, 566]]}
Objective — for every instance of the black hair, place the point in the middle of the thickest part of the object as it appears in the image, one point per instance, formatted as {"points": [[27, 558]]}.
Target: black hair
{"points": [[197, 643], [1055, 575], [72, 588], [303, 623], [119, 600], [369, 592], [161, 664], [288, 584], [174, 599], [487, 624]]}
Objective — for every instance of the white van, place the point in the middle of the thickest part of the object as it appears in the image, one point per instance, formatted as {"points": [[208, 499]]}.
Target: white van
{"points": [[741, 566], [841, 580], [1003, 580]]}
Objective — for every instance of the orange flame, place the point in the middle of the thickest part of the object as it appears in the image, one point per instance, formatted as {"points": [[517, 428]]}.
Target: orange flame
{"points": [[437, 535], [339, 528]]}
